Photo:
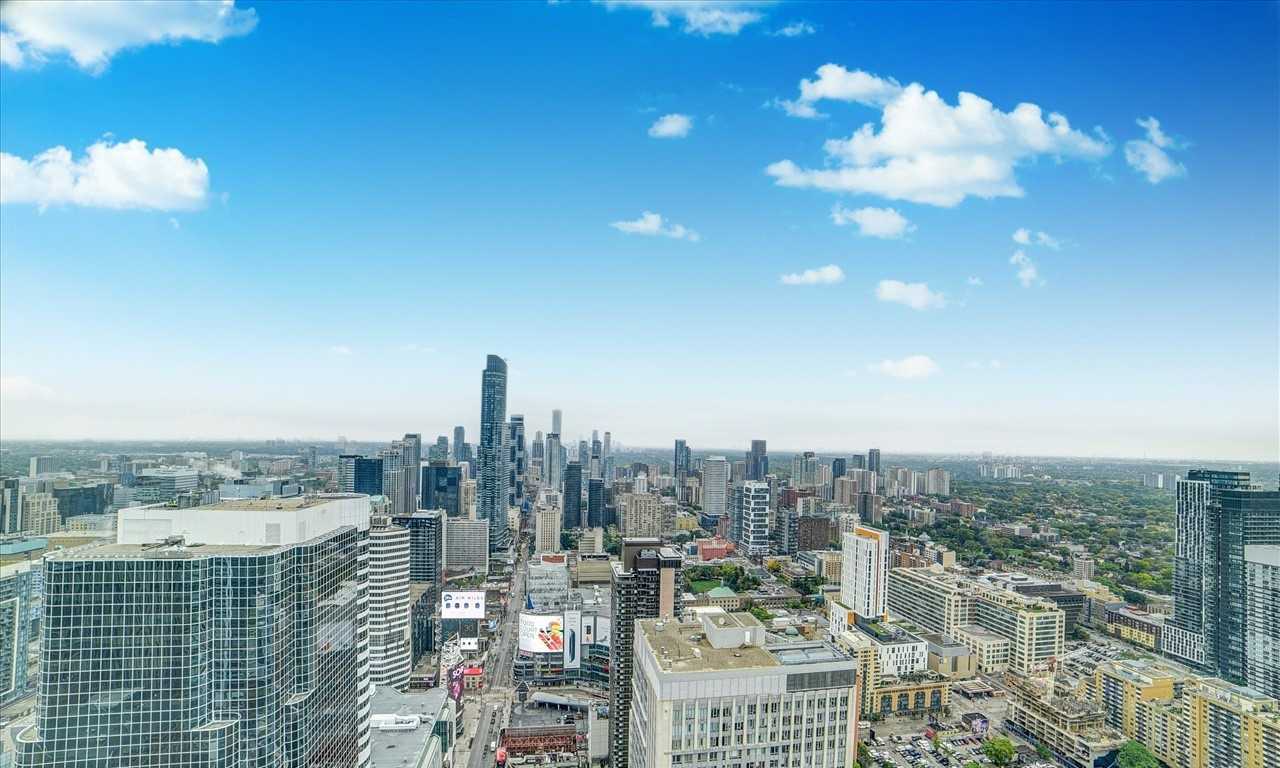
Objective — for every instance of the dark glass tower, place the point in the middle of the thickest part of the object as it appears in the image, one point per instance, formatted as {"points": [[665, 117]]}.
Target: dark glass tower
{"points": [[491, 458], [459, 443], [441, 488], [873, 459], [595, 502], [757, 461], [1243, 602], [572, 496], [838, 468]]}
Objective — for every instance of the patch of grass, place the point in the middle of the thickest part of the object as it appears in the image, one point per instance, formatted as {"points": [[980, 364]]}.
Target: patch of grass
{"points": [[699, 586]]}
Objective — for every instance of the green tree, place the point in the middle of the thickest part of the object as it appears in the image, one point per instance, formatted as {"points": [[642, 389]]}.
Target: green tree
{"points": [[864, 755], [999, 751], [1043, 752], [972, 764], [1134, 755]]}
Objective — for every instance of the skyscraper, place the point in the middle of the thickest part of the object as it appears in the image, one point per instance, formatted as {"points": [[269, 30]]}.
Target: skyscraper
{"points": [[680, 466], [646, 585], [607, 458], [556, 421], [516, 460], [1194, 562], [393, 469], [390, 641], [551, 461], [873, 459], [426, 546], [595, 502], [838, 467], [1242, 636], [411, 447], [459, 443], [757, 460], [751, 511], [159, 671], [715, 486], [864, 572], [572, 496], [491, 474], [442, 488]]}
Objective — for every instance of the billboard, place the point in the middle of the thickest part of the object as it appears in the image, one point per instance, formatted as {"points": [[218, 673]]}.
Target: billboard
{"points": [[541, 633], [469, 643], [572, 639], [462, 605], [455, 682], [602, 629]]}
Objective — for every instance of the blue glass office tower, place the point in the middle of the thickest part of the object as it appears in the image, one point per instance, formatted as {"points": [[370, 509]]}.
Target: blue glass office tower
{"points": [[442, 488], [757, 460], [595, 502], [572, 502], [217, 656], [491, 458]]}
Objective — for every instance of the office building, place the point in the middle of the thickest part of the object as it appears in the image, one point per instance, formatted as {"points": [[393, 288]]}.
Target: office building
{"points": [[491, 476], [712, 691], [893, 673], [857, 461], [595, 503], [646, 585], [838, 468], [178, 641], [358, 474], [548, 518], [715, 486], [681, 463], [164, 484], [426, 537], [411, 448], [873, 460], [751, 518], [466, 546], [412, 730], [572, 496], [864, 572], [442, 488], [40, 465], [390, 642]]}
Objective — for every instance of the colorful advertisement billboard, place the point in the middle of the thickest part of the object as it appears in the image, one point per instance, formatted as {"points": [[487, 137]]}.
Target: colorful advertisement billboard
{"points": [[456, 676], [540, 633], [462, 605]]}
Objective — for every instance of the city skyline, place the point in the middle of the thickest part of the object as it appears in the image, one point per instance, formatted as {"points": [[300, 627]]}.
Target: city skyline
{"points": [[1086, 295]]}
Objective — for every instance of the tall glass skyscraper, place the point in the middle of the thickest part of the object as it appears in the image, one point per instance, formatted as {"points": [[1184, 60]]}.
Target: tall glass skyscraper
{"points": [[572, 498], [247, 651], [491, 458]]}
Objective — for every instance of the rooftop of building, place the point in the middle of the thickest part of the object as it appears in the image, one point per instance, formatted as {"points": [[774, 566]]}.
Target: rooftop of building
{"points": [[888, 632], [720, 641], [288, 503], [168, 550], [401, 725]]}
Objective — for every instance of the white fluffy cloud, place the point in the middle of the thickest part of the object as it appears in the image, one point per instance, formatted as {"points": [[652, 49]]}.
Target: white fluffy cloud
{"points": [[828, 275], [913, 367], [91, 33], [700, 17], [23, 388], [1149, 157], [653, 225], [1024, 236], [1028, 274], [673, 126], [120, 175], [926, 150], [884, 223], [797, 28], [914, 295]]}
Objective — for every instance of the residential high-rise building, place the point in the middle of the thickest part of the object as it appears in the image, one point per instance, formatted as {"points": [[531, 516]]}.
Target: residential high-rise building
{"points": [[491, 475], [937, 482], [864, 571], [393, 485], [646, 585], [466, 545], [838, 467], [459, 443], [642, 516], [516, 460], [857, 461], [439, 451], [757, 460], [572, 496], [39, 465], [714, 686], [873, 460], [1242, 634], [1196, 564], [11, 493], [426, 529], [390, 641], [19, 595], [804, 470], [556, 420], [442, 488], [180, 638], [751, 517], [595, 502], [715, 486], [411, 460], [681, 463], [607, 458], [553, 468]]}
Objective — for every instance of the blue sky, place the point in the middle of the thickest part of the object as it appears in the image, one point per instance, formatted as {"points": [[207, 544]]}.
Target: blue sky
{"points": [[391, 191]]}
